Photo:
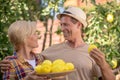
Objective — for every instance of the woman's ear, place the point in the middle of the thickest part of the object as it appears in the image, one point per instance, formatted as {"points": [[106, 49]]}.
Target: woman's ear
{"points": [[25, 41]]}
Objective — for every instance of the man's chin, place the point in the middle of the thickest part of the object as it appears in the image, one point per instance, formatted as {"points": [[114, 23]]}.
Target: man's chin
{"points": [[36, 46]]}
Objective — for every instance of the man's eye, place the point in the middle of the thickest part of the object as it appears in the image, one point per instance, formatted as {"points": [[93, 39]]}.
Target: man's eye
{"points": [[64, 24], [60, 24]]}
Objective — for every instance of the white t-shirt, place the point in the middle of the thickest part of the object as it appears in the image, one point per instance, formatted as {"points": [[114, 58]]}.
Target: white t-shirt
{"points": [[32, 62]]}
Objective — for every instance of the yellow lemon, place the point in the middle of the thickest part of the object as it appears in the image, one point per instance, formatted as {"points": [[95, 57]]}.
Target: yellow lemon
{"points": [[57, 68], [45, 69], [91, 47], [38, 69], [47, 62], [70, 66], [66, 68], [114, 63], [110, 18], [59, 61]]}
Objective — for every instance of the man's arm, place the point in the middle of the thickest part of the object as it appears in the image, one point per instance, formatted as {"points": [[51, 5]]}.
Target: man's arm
{"points": [[107, 73], [99, 58], [10, 73], [5, 64]]}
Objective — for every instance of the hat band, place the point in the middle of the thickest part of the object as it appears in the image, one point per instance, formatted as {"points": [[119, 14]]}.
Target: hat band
{"points": [[67, 12]]}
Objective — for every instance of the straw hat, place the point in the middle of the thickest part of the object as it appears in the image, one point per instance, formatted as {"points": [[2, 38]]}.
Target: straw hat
{"points": [[76, 13]]}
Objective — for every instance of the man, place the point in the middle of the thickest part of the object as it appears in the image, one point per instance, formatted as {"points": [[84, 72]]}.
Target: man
{"points": [[75, 50]]}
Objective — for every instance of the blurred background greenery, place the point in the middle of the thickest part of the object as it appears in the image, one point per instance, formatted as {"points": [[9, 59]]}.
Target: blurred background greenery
{"points": [[103, 23]]}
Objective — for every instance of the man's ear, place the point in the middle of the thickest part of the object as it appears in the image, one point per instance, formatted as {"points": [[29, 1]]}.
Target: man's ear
{"points": [[80, 25]]}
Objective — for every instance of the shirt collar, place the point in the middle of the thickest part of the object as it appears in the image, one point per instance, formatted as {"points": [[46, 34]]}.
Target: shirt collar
{"points": [[20, 58], [23, 61]]}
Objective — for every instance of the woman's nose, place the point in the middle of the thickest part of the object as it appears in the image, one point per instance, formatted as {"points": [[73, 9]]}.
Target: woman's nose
{"points": [[62, 28]]}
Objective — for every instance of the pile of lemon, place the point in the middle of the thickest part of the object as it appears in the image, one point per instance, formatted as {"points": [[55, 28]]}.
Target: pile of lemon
{"points": [[58, 65]]}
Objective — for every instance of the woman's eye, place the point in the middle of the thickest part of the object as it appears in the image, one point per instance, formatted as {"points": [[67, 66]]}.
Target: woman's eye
{"points": [[37, 32]]}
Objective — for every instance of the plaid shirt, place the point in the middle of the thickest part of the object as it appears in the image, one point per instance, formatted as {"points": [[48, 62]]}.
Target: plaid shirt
{"points": [[20, 67]]}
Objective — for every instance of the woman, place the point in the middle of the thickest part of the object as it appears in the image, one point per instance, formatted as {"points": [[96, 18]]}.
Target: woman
{"points": [[24, 38]]}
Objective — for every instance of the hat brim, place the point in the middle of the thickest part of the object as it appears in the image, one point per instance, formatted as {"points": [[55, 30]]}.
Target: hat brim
{"points": [[71, 15]]}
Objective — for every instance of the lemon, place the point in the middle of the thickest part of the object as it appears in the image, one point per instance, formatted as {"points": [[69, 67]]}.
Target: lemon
{"points": [[91, 47], [47, 62], [110, 18], [59, 61], [38, 69], [66, 68], [114, 63], [70, 66], [57, 68], [45, 69]]}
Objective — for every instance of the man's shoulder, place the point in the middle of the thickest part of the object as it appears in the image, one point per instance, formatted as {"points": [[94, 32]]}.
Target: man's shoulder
{"points": [[56, 46]]}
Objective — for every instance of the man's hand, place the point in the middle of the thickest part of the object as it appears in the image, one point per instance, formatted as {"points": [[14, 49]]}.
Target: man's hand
{"points": [[5, 64], [99, 58], [33, 76]]}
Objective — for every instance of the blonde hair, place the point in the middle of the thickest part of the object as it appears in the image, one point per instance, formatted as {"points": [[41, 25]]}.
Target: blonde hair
{"points": [[19, 30]]}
